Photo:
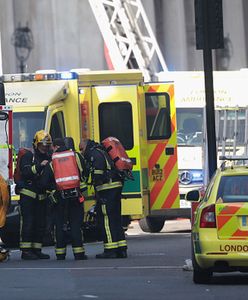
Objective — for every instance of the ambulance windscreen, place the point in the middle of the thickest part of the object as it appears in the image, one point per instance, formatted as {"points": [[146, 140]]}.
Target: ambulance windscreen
{"points": [[25, 125], [189, 126]]}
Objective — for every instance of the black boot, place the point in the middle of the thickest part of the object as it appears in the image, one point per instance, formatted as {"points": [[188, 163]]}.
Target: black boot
{"points": [[80, 256], [40, 255], [28, 255], [122, 253], [60, 256], [107, 254]]}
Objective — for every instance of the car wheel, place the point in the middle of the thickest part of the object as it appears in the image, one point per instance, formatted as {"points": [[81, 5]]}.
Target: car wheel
{"points": [[151, 225], [200, 275]]}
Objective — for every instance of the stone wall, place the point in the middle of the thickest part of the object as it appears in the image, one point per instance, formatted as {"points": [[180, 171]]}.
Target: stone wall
{"points": [[66, 34]]}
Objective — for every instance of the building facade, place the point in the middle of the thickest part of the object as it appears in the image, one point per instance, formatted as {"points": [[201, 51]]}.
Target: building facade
{"points": [[64, 35]]}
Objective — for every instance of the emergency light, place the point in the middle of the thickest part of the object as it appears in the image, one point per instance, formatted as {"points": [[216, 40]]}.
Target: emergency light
{"points": [[68, 75], [38, 76]]}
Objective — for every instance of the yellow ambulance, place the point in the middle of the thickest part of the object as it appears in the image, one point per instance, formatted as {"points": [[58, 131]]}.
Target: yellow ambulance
{"points": [[98, 104]]}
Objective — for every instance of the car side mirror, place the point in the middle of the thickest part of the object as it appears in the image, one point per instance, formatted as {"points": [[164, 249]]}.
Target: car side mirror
{"points": [[193, 195]]}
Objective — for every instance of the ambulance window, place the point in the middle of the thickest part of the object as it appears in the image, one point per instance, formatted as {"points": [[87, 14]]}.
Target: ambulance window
{"points": [[158, 122], [57, 129], [115, 119], [25, 125]]}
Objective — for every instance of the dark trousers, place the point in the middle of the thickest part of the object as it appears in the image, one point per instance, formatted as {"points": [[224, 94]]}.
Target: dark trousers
{"points": [[109, 219], [68, 211], [33, 222]]}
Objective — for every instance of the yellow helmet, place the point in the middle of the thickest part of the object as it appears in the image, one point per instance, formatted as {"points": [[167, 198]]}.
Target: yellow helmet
{"points": [[42, 137]]}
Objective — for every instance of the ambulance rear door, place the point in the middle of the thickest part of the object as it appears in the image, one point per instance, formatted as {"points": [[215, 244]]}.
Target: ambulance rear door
{"points": [[115, 113], [161, 147]]}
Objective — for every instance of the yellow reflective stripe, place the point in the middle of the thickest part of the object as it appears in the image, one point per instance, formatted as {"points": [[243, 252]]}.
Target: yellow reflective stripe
{"points": [[36, 245], [51, 196], [60, 250], [106, 223], [107, 186], [25, 245], [7, 146], [108, 246], [32, 194], [42, 197], [83, 185], [78, 249], [79, 163], [33, 168], [28, 193], [122, 243], [98, 172]]}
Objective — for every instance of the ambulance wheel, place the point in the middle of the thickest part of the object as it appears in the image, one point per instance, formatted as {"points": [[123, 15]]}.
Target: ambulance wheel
{"points": [[149, 224]]}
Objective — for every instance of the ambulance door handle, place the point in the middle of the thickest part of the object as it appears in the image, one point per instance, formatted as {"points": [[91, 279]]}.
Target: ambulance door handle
{"points": [[169, 151]]}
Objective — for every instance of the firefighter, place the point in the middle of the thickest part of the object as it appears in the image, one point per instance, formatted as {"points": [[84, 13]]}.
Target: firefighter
{"points": [[68, 209], [108, 188], [32, 198]]}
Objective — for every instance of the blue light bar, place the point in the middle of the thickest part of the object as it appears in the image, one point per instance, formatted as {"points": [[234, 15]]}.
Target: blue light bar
{"points": [[68, 75]]}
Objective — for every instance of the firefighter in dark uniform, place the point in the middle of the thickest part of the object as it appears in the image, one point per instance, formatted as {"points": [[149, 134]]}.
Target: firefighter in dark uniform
{"points": [[68, 212], [108, 188], [32, 198]]}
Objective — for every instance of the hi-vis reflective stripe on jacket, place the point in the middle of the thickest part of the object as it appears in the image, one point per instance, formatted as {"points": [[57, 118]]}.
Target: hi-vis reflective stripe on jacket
{"points": [[32, 194], [65, 169], [110, 184], [83, 184]]}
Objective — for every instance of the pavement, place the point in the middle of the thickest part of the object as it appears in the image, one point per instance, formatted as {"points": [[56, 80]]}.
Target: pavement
{"points": [[178, 225]]}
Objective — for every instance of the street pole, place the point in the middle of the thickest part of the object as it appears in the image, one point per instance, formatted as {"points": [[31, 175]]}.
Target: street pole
{"points": [[209, 35], [209, 94], [1, 61]]}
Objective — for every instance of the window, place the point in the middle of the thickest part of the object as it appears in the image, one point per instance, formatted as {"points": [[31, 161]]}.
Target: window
{"points": [[25, 125], [115, 119], [190, 126], [57, 129], [233, 189], [158, 123]]}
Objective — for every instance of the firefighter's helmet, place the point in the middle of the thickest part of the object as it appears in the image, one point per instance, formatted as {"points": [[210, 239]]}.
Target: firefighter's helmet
{"points": [[4, 254], [43, 138]]}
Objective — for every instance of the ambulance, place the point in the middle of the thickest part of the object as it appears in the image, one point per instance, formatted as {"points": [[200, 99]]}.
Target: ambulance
{"points": [[98, 104], [231, 121]]}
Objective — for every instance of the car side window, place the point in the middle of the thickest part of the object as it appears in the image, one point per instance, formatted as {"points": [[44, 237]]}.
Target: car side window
{"points": [[209, 189]]}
